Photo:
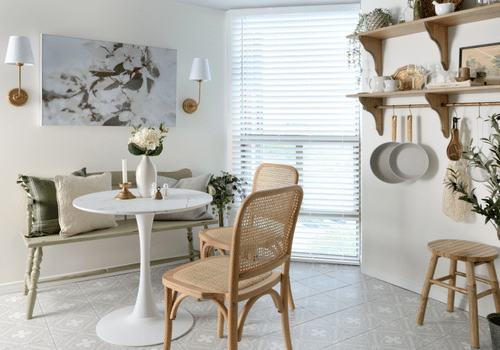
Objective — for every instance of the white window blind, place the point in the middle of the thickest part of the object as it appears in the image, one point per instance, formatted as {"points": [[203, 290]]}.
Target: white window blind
{"points": [[288, 77]]}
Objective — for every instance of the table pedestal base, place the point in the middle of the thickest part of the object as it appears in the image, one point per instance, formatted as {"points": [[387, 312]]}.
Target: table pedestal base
{"points": [[121, 328]]}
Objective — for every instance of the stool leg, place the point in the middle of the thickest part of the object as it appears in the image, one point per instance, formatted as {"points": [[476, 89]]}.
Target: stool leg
{"points": [[425, 291], [472, 292], [451, 293], [494, 284]]}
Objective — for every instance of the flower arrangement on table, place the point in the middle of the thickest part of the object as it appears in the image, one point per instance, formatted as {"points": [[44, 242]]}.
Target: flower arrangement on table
{"points": [[147, 141], [223, 193]]}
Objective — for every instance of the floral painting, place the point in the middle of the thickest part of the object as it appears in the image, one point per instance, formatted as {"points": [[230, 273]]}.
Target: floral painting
{"points": [[93, 83]]}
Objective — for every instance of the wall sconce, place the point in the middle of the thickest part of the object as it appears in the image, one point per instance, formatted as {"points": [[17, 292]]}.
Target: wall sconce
{"points": [[199, 72], [19, 53]]}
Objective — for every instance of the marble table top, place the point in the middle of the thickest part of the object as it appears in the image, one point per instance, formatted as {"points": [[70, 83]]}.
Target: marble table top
{"points": [[177, 200]]}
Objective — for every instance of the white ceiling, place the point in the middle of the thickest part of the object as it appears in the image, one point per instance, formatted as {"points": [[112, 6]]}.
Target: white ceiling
{"points": [[243, 4]]}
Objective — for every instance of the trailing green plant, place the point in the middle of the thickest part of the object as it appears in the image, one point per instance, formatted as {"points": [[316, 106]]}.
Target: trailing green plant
{"points": [[489, 206], [354, 52], [225, 187]]}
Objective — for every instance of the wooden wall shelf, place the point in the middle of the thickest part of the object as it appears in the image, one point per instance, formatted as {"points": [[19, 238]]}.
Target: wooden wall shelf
{"points": [[436, 27], [437, 99]]}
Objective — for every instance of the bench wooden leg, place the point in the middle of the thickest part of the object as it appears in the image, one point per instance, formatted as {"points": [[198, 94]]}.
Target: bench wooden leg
{"points": [[29, 268], [472, 292], [35, 274], [190, 243], [451, 293], [425, 291], [494, 284]]}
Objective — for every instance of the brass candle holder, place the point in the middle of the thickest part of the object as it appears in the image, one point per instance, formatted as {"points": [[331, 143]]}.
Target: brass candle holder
{"points": [[125, 193]]}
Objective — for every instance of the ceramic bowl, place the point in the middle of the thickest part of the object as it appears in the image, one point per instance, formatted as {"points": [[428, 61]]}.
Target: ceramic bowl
{"points": [[444, 8]]}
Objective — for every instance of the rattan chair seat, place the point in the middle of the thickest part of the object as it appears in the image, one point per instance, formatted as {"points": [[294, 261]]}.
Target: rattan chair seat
{"points": [[211, 274]]}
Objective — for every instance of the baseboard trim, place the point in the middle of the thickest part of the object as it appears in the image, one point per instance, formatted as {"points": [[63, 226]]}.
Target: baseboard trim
{"points": [[439, 294], [57, 280]]}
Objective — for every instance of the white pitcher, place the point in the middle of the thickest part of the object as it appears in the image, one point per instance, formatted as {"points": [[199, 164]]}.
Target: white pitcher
{"points": [[378, 83]]}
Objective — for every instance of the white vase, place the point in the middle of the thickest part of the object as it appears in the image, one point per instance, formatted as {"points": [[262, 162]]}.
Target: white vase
{"points": [[145, 175]]}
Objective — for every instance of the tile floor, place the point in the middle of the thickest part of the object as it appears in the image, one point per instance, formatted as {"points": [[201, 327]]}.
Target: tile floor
{"points": [[337, 308]]}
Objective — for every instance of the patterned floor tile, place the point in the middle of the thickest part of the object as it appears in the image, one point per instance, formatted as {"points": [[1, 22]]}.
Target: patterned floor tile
{"points": [[459, 340], [355, 320], [352, 296], [359, 313], [23, 333], [297, 316], [321, 305], [323, 283], [318, 334]]}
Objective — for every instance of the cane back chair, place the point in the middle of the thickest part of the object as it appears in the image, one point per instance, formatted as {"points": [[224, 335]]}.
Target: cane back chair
{"points": [[266, 176], [261, 241]]}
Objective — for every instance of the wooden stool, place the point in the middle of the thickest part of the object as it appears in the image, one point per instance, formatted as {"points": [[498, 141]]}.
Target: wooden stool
{"points": [[473, 254]]}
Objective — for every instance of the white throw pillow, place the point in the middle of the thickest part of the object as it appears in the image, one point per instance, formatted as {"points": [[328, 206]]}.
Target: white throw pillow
{"points": [[197, 183], [74, 221]]}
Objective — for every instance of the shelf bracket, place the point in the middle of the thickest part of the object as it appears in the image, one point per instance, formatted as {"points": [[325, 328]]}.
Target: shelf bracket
{"points": [[439, 34], [374, 47], [370, 104], [438, 103]]}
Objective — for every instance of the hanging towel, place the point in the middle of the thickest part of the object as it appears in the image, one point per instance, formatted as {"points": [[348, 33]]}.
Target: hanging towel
{"points": [[452, 206]]}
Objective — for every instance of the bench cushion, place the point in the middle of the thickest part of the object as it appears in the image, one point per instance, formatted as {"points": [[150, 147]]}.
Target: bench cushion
{"points": [[72, 220], [45, 210], [197, 183]]}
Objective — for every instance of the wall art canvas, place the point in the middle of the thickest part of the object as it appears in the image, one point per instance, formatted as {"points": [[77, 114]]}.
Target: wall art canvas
{"points": [[93, 83], [482, 58]]}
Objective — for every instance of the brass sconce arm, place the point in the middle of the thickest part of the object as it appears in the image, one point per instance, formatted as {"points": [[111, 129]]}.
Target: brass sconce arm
{"points": [[190, 106]]}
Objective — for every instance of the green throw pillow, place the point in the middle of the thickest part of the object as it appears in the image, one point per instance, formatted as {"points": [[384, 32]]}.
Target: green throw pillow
{"points": [[43, 193]]}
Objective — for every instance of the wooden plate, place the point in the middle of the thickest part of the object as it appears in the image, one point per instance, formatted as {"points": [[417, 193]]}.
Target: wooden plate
{"points": [[409, 82]]}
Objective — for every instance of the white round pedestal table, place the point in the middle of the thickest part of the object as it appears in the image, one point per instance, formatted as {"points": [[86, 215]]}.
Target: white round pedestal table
{"points": [[142, 324]]}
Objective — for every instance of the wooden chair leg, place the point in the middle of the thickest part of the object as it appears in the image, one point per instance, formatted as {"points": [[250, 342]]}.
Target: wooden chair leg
{"points": [[290, 297], [494, 284], [29, 268], [285, 321], [425, 290], [190, 243], [220, 325], [451, 293], [232, 325], [472, 292], [168, 321], [35, 274]]}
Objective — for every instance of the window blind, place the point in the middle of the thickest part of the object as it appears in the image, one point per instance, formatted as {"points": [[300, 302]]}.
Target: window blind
{"points": [[288, 77]]}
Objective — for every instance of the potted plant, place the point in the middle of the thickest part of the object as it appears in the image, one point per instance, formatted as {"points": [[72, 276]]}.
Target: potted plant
{"points": [[375, 19], [224, 188], [488, 206]]}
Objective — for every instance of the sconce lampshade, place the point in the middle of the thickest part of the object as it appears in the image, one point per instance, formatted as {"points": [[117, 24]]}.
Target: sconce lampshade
{"points": [[200, 71], [19, 51]]}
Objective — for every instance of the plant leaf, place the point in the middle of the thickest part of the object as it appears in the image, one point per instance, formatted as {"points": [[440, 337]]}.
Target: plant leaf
{"points": [[135, 83]]}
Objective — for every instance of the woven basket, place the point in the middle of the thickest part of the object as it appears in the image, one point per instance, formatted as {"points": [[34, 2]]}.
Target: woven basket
{"points": [[375, 21], [428, 7], [494, 321]]}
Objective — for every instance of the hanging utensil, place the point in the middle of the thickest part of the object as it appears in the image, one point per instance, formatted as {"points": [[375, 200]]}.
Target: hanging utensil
{"points": [[379, 160], [475, 173], [409, 161], [454, 150]]}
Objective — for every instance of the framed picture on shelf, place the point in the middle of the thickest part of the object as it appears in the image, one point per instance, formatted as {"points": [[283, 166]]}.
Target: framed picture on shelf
{"points": [[482, 58]]}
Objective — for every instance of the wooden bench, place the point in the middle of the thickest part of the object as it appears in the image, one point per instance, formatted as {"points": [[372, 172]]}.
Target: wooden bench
{"points": [[126, 227]]}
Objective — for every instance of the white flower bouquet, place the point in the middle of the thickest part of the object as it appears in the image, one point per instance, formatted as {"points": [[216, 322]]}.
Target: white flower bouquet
{"points": [[147, 141]]}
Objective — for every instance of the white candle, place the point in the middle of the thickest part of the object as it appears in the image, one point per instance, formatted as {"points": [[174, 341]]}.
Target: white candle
{"points": [[124, 170]]}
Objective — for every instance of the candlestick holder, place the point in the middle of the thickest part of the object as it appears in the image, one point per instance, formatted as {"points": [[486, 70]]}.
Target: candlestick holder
{"points": [[125, 193]]}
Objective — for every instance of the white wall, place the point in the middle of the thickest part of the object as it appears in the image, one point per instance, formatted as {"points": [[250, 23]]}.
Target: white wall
{"points": [[399, 220], [198, 141]]}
